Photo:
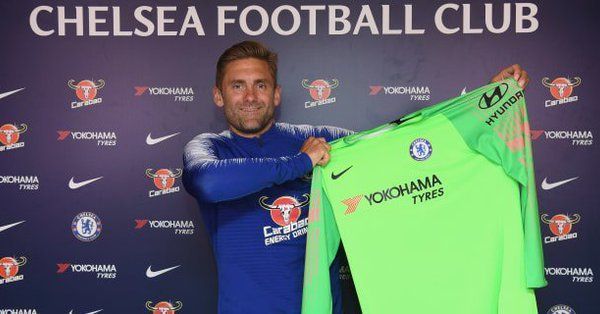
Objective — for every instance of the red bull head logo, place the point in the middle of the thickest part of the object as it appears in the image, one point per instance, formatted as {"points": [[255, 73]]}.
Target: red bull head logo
{"points": [[561, 87], [164, 178], [86, 89], [9, 133], [9, 267], [561, 224], [285, 209], [164, 307], [320, 89]]}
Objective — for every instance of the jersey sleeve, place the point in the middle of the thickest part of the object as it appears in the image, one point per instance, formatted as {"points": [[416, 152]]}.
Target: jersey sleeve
{"points": [[322, 244], [212, 179], [501, 133]]}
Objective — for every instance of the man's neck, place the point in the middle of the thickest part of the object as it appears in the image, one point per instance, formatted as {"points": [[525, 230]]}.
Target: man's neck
{"points": [[252, 135]]}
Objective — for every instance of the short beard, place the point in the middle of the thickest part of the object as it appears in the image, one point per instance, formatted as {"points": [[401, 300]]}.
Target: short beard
{"points": [[240, 126]]}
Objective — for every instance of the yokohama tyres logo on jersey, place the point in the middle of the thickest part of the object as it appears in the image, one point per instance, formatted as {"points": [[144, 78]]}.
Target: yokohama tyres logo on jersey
{"points": [[164, 307], [420, 190], [320, 90], [285, 211], [102, 271], [86, 91], [9, 269], [9, 136], [164, 180], [560, 225], [561, 89]]}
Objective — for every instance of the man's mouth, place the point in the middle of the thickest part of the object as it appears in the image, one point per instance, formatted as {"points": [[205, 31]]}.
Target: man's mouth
{"points": [[250, 109]]}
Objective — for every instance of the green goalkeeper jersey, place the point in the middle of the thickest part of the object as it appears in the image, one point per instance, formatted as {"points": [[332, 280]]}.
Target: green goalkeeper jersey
{"points": [[437, 211]]}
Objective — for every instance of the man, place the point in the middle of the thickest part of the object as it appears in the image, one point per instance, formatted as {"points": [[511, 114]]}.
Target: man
{"points": [[251, 186]]}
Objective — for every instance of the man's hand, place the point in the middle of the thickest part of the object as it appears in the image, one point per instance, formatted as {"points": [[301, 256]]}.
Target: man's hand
{"points": [[317, 149], [515, 71]]}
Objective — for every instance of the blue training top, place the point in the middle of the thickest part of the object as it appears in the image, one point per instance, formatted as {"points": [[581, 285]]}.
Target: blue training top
{"points": [[253, 194]]}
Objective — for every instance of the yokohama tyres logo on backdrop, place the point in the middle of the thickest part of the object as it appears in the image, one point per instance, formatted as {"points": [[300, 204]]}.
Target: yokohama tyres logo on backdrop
{"points": [[179, 93], [101, 138], [86, 91], [102, 271], [416, 93], [577, 274], [575, 137], [25, 183], [182, 227]]}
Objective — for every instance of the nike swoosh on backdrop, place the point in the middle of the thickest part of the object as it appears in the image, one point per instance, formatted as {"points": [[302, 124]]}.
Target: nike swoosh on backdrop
{"points": [[152, 274], [94, 312], [6, 227], [75, 185], [152, 141], [550, 186], [6, 94]]}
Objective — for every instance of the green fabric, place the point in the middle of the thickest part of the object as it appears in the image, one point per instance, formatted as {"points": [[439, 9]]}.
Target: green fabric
{"points": [[456, 232]]}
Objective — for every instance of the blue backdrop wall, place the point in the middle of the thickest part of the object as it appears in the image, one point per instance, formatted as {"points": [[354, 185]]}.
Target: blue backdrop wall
{"points": [[98, 98]]}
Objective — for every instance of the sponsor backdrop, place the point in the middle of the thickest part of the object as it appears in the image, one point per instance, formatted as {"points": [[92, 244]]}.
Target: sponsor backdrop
{"points": [[98, 98]]}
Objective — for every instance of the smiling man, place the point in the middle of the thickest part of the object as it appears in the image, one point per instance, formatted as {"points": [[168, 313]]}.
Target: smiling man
{"points": [[250, 182]]}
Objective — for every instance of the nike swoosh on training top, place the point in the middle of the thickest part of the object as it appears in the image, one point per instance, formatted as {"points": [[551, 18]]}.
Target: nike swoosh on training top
{"points": [[335, 176], [98, 311], [550, 186], [152, 274], [6, 227], [75, 185], [6, 94], [152, 141]]}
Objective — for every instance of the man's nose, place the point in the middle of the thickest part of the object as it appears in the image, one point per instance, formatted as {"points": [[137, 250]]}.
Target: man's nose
{"points": [[250, 95]]}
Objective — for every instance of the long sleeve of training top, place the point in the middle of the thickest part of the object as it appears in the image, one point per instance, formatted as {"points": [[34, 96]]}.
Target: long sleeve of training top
{"points": [[226, 166]]}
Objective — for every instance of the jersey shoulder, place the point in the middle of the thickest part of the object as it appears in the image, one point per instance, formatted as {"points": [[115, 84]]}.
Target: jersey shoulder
{"points": [[203, 146], [304, 131]]}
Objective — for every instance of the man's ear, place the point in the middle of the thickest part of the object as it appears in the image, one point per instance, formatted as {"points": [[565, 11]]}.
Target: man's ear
{"points": [[218, 97], [277, 95]]}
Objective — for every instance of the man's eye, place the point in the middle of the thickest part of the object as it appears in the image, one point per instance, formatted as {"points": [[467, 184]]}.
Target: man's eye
{"points": [[262, 85], [237, 86]]}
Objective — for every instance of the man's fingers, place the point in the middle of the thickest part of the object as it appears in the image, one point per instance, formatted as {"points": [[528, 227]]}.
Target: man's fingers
{"points": [[524, 79], [324, 160], [516, 70]]}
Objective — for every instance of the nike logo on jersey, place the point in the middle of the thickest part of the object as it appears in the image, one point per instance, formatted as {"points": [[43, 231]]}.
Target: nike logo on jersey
{"points": [[152, 274], [336, 176], [6, 94], [152, 141], [549, 186], [6, 227], [75, 185]]}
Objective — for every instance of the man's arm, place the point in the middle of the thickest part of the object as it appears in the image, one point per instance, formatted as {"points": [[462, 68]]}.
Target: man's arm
{"points": [[213, 179]]}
